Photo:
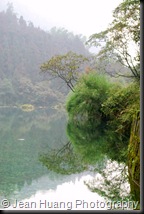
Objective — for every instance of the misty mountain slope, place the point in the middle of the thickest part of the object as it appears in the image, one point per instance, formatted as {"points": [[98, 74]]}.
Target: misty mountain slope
{"points": [[23, 48]]}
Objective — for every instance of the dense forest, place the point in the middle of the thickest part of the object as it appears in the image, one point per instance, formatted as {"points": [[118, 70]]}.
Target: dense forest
{"points": [[23, 48]]}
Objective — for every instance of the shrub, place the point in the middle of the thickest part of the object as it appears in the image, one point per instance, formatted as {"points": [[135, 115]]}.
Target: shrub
{"points": [[86, 102], [119, 109]]}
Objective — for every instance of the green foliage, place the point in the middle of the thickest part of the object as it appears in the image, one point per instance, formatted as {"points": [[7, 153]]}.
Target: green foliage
{"points": [[119, 109], [66, 67], [108, 107], [90, 92], [120, 39], [106, 136]]}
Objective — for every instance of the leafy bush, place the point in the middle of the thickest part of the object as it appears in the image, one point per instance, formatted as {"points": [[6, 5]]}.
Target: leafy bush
{"points": [[110, 107], [120, 108], [90, 92]]}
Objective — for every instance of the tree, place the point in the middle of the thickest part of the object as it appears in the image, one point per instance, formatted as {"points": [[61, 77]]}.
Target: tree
{"points": [[85, 104], [22, 22], [67, 67], [121, 40]]}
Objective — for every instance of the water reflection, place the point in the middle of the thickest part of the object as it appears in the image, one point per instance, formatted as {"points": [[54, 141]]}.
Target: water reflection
{"points": [[93, 144], [88, 150], [108, 158], [87, 142], [63, 161], [39, 161], [111, 182], [40, 131]]}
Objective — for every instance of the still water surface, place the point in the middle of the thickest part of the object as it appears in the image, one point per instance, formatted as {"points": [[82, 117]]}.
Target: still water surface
{"points": [[40, 169]]}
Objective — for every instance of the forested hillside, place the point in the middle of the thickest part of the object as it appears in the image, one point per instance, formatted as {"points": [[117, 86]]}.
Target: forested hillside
{"points": [[23, 48]]}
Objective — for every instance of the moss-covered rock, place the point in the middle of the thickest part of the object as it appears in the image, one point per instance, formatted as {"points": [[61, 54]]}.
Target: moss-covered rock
{"points": [[134, 158]]}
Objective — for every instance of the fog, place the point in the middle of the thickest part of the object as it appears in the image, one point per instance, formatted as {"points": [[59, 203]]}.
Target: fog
{"points": [[83, 17]]}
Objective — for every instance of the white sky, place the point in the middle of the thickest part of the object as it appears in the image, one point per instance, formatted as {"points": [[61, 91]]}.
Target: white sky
{"points": [[78, 16]]}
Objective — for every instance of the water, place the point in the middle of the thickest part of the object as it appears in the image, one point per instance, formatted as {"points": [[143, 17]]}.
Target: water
{"points": [[40, 169]]}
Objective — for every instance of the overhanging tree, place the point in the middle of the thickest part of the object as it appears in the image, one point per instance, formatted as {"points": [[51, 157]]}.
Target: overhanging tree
{"points": [[121, 40], [67, 67]]}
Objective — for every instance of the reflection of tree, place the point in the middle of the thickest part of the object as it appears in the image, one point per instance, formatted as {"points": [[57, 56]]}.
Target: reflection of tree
{"points": [[93, 145], [63, 161], [94, 148], [111, 182], [116, 147]]}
